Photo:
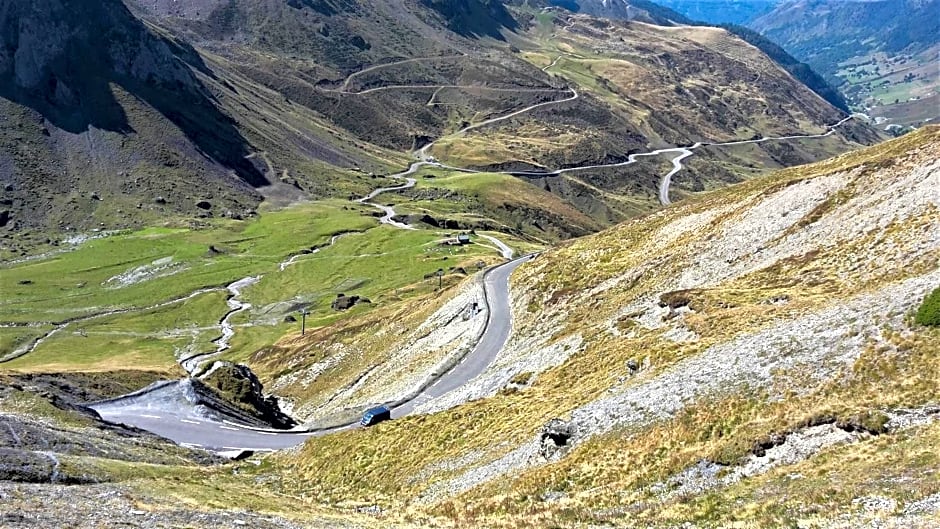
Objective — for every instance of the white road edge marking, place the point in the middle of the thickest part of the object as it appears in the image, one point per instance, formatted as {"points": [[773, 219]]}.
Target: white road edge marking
{"points": [[150, 416], [228, 428], [189, 421]]}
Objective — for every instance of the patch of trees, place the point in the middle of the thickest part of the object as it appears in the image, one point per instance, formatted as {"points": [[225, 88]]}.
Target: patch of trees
{"points": [[929, 311]]}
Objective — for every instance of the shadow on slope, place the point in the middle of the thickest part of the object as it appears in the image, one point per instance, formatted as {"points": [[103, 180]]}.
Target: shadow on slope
{"points": [[60, 58], [474, 18]]}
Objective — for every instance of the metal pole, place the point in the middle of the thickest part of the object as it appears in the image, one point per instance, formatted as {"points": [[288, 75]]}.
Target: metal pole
{"points": [[303, 322]]}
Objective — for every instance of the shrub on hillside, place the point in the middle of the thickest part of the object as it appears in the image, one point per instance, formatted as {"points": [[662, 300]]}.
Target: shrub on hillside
{"points": [[929, 311]]}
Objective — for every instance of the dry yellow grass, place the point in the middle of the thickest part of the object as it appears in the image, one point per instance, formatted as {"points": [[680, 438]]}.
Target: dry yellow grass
{"points": [[614, 470], [525, 144], [401, 459]]}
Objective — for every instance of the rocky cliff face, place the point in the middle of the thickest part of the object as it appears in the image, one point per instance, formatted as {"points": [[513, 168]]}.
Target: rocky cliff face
{"points": [[93, 99], [43, 42]]}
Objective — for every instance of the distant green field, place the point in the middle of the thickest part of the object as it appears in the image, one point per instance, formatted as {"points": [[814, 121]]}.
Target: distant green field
{"points": [[368, 264], [151, 274], [467, 182], [87, 280]]}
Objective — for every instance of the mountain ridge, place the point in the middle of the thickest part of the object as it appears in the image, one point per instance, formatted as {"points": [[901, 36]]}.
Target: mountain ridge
{"points": [[314, 100], [662, 14]]}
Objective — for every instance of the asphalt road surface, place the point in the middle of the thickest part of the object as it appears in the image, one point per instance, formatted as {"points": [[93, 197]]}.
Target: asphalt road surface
{"points": [[498, 327], [163, 411], [199, 432]]}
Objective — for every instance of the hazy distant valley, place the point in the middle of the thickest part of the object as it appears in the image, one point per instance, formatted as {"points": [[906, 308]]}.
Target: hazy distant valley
{"points": [[881, 54]]}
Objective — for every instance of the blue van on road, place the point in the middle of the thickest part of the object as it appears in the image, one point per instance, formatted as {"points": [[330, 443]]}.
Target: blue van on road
{"points": [[375, 415]]}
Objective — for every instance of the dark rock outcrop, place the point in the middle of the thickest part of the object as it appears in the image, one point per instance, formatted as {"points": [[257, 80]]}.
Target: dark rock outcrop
{"points": [[344, 302], [429, 220], [557, 437], [238, 385]]}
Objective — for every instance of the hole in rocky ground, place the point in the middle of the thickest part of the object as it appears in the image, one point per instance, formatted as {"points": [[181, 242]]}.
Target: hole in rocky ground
{"points": [[557, 438]]}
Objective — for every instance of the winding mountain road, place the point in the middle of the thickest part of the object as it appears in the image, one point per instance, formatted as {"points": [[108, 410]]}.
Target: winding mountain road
{"points": [[149, 410], [574, 95], [388, 217], [350, 77], [467, 88], [423, 154], [158, 410], [552, 64], [667, 178], [681, 153], [425, 160]]}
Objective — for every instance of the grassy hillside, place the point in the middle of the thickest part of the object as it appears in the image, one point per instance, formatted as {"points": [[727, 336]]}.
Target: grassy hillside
{"points": [[797, 69], [751, 356], [697, 340]]}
